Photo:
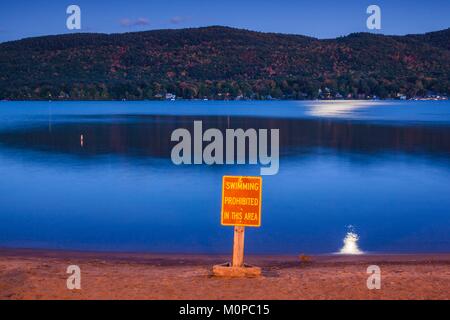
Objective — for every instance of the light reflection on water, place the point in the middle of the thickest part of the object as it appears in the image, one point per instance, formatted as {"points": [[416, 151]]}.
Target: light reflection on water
{"points": [[340, 108], [351, 243]]}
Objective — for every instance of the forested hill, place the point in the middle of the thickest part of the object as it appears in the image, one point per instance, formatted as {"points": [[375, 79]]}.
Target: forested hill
{"points": [[223, 63]]}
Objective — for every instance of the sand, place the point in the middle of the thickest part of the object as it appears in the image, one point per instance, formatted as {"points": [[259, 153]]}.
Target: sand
{"points": [[37, 274]]}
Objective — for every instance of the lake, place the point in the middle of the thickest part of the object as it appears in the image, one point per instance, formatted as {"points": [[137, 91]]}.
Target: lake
{"points": [[379, 168]]}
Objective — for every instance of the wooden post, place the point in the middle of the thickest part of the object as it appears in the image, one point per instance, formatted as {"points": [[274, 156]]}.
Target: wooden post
{"points": [[238, 247]]}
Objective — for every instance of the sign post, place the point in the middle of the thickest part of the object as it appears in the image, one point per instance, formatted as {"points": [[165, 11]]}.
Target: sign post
{"points": [[241, 207], [238, 247]]}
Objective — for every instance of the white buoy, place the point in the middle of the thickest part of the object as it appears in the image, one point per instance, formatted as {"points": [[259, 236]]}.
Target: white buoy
{"points": [[82, 141]]}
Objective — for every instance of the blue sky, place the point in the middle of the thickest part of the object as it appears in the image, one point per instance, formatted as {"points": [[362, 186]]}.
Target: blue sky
{"points": [[322, 19]]}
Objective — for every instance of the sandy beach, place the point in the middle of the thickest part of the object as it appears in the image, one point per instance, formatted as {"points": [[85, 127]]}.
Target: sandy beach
{"points": [[35, 274]]}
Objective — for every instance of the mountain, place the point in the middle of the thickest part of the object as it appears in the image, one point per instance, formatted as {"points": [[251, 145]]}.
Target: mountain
{"points": [[223, 63]]}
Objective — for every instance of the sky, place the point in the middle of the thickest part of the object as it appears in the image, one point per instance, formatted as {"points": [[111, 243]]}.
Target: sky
{"points": [[320, 19]]}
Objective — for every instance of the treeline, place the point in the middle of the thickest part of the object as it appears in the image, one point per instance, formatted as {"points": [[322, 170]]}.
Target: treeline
{"points": [[224, 90], [223, 63]]}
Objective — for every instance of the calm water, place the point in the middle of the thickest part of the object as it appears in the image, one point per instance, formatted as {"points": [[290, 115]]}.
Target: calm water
{"points": [[382, 167]]}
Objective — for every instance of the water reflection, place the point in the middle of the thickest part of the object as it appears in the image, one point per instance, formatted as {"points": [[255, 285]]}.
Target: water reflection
{"points": [[337, 108], [99, 176], [130, 135], [351, 243]]}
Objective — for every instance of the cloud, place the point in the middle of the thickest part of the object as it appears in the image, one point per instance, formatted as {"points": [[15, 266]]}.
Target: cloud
{"points": [[178, 20], [126, 22]]}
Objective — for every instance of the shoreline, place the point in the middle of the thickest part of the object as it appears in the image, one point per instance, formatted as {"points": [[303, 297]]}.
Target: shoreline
{"points": [[12, 250], [41, 274], [225, 100]]}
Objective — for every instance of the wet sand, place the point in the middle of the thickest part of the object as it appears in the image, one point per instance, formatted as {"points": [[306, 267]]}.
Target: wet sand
{"points": [[38, 274]]}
